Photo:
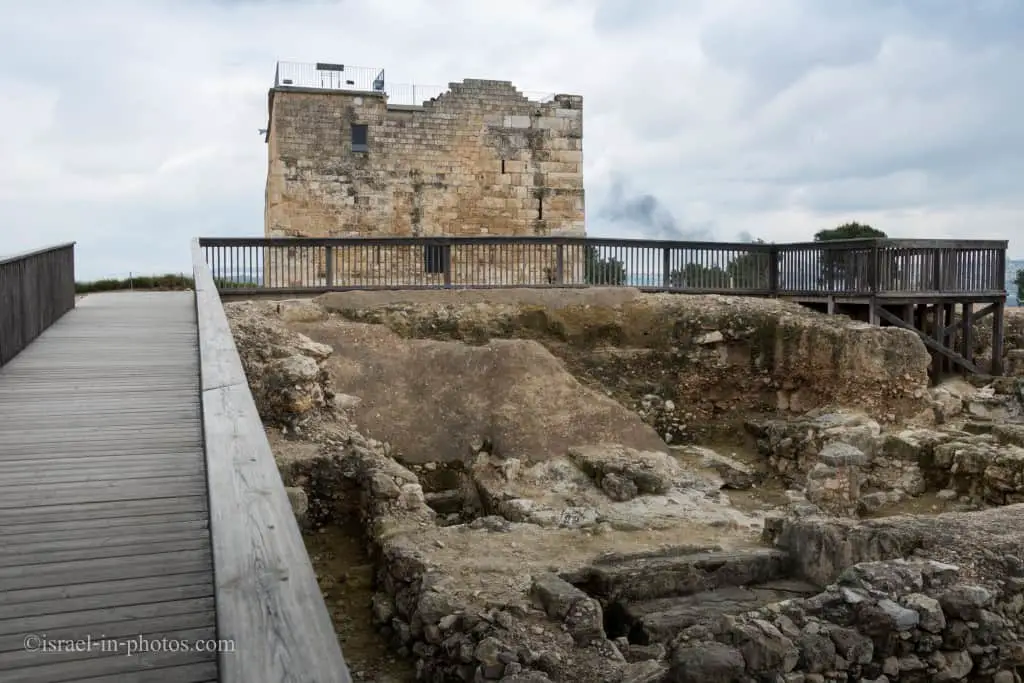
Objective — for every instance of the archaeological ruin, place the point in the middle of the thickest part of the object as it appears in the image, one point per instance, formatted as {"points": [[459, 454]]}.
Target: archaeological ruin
{"points": [[351, 155], [610, 485], [519, 454]]}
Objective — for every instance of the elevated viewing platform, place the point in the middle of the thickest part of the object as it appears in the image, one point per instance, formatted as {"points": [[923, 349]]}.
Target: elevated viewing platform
{"points": [[919, 285]]}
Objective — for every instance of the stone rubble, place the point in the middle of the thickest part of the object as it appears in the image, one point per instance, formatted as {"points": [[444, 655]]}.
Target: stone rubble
{"points": [[889, 620], [285, 369], [847, 464]]}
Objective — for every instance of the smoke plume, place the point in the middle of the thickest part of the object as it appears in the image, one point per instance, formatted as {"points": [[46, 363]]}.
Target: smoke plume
{"points": [[646, 213]]}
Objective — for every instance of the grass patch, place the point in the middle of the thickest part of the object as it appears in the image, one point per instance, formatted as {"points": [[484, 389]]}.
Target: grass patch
{"points": [[162, 283]]}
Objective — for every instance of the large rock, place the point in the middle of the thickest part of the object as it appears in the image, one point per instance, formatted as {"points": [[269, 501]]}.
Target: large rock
{"points": [[986, 544], [706, 663], [445, 401], [623, 472]]}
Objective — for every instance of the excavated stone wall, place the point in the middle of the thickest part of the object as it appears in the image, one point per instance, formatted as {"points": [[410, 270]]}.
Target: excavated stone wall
{"points": [[970, 452]]}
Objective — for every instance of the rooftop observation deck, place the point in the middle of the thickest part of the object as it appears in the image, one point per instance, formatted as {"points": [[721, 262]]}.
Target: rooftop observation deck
{"points": [[141, 511], [349, 78]]}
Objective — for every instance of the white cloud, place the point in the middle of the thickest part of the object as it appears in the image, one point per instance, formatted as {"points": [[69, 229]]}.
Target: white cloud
{"points": [[132, 126]]}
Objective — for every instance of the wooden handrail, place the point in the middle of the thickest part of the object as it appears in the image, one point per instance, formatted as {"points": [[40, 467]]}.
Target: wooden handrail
{"points": [[268, 601], [10, 258], [36, 289], [858, 267]]}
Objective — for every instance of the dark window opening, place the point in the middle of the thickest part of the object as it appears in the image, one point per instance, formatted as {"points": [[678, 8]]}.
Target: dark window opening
{"points": [[360, 137], [435, 258], [502, 165], [540, 208]]}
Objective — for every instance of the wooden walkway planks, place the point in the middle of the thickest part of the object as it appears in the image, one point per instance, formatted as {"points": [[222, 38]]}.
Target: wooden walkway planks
{"points": [[104, 522]]}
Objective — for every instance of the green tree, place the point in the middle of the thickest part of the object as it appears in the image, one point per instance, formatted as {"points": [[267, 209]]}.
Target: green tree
{"points": [[751, 270], [602, 271], [699, 276], [846, 269], [1019, 281], [849, 231]]}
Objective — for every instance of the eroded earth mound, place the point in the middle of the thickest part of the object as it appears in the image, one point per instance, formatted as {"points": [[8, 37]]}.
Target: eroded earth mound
{"points": [[693, 361]]}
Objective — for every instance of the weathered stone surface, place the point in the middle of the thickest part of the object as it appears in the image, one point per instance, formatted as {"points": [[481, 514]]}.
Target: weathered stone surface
{"points": [[284, 368], [555, 595], [644, 472], [408, 398], [659, 620], [834, 489], [735, 474], [840, 454], [772, 353], [679, 572], [929, 610], [585, 621], [472, 161], [952, 666], [644, 672], [793, 447], [764, 648], [817, 652], [706, 663], [299, 502]]}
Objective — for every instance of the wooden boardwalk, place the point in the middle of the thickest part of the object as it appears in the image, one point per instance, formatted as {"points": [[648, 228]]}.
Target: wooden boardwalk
{"points": [[104, 525]]}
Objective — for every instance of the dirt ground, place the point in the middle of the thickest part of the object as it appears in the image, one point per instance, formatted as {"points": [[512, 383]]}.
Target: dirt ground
{"points": [[345, 574]]}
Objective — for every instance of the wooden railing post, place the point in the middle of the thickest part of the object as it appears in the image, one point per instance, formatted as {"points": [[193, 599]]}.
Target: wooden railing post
{"points": [[329, 266], [1000, 269], [873, 267], [446, 260], [666, 266], [773, 269]]}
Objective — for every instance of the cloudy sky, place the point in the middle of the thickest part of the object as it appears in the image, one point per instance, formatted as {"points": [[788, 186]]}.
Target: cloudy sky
{"points": [[132, 125]]}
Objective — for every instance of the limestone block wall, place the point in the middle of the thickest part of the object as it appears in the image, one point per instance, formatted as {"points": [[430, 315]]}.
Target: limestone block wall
{"points": [[481, 159]]}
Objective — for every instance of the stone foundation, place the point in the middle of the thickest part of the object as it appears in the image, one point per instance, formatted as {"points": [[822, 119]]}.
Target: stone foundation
{"points": [[847, 463]]}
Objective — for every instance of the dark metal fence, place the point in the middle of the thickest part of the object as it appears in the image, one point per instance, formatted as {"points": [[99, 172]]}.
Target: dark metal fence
{"points": [[36, 289], [323, 76], [882, 267]]}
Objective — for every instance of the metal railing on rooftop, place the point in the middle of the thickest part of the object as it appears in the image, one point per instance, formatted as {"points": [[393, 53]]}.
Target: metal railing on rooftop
{"points": [[328, 76], [325, 76]]}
